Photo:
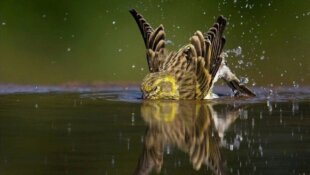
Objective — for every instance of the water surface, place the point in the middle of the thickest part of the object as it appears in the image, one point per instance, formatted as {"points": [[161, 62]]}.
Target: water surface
{"points": [[57, 130]]}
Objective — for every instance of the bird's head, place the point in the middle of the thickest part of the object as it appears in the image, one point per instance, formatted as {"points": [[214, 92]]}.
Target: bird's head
{"points": [[160, 85]]}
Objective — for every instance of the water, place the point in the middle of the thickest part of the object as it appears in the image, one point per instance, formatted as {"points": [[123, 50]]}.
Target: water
{"points": [[65, 130]]}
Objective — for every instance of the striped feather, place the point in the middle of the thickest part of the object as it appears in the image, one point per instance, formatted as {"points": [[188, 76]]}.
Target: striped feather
{"points": [[153, 40], [215, 35], [200, 60]]}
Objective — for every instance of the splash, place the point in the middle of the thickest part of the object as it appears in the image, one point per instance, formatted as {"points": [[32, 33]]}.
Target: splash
{"points": [[237, 51]]}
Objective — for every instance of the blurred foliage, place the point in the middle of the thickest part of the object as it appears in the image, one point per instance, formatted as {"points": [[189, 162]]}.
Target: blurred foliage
{"points": [[52, 42]]}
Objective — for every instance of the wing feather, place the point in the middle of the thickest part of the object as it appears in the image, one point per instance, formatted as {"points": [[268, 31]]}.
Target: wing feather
{"points": [[154, 41], [155, 37], [215, 35]]}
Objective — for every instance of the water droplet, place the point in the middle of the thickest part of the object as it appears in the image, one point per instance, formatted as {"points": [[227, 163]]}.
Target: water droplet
{"points": [[179, 163], [295, 85], [169, 42], [231, 147], [292, 133], [168, 150], [238, 51], [133, 118], [269, 106], [69, 128], [113, 161], [295, 107], [128, 143], [244, 114], [142, 139], [244, 80]]}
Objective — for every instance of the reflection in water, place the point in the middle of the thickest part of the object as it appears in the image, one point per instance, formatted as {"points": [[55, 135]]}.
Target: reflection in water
{"points": [[193, 127]]}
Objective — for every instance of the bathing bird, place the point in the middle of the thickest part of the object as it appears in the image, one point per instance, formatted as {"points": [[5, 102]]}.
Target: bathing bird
{"points": [[190, 72]]}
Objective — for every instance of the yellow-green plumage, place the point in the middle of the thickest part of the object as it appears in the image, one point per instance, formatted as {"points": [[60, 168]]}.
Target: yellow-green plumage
{"points": [[188, 73]]}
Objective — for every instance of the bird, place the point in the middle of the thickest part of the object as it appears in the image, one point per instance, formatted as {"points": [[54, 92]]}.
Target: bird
{"points": [[190, 72]]}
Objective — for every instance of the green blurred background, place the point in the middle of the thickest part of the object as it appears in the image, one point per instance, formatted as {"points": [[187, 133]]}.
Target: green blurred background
{"points": [[53, 42]]}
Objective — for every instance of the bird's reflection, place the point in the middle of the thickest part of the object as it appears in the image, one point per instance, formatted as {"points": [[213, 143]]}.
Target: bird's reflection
{"points": [[191, 126]]}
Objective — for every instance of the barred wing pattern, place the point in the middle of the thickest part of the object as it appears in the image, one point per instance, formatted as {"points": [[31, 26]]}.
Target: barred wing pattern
{"points": [[195, 66], [215, 36], [201, 57], [154, 41]]}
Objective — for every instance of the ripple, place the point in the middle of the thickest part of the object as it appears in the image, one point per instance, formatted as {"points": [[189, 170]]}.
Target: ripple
{"points": [[131, 92]]}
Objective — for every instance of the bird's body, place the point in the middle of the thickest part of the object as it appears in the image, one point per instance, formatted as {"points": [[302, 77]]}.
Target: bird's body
{"points": [[190, 72]]}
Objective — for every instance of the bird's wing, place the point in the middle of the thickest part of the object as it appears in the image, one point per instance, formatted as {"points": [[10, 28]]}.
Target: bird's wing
{"points": [[210, 46], [203, 79], [202, 51], [207, 49], [213, 51], [214, 58], [154, 41]]}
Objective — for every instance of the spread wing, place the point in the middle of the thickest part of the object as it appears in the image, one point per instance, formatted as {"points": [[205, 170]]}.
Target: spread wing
{"points": [[203, 56], [215, 37], [154, 41], [210, 45]]}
